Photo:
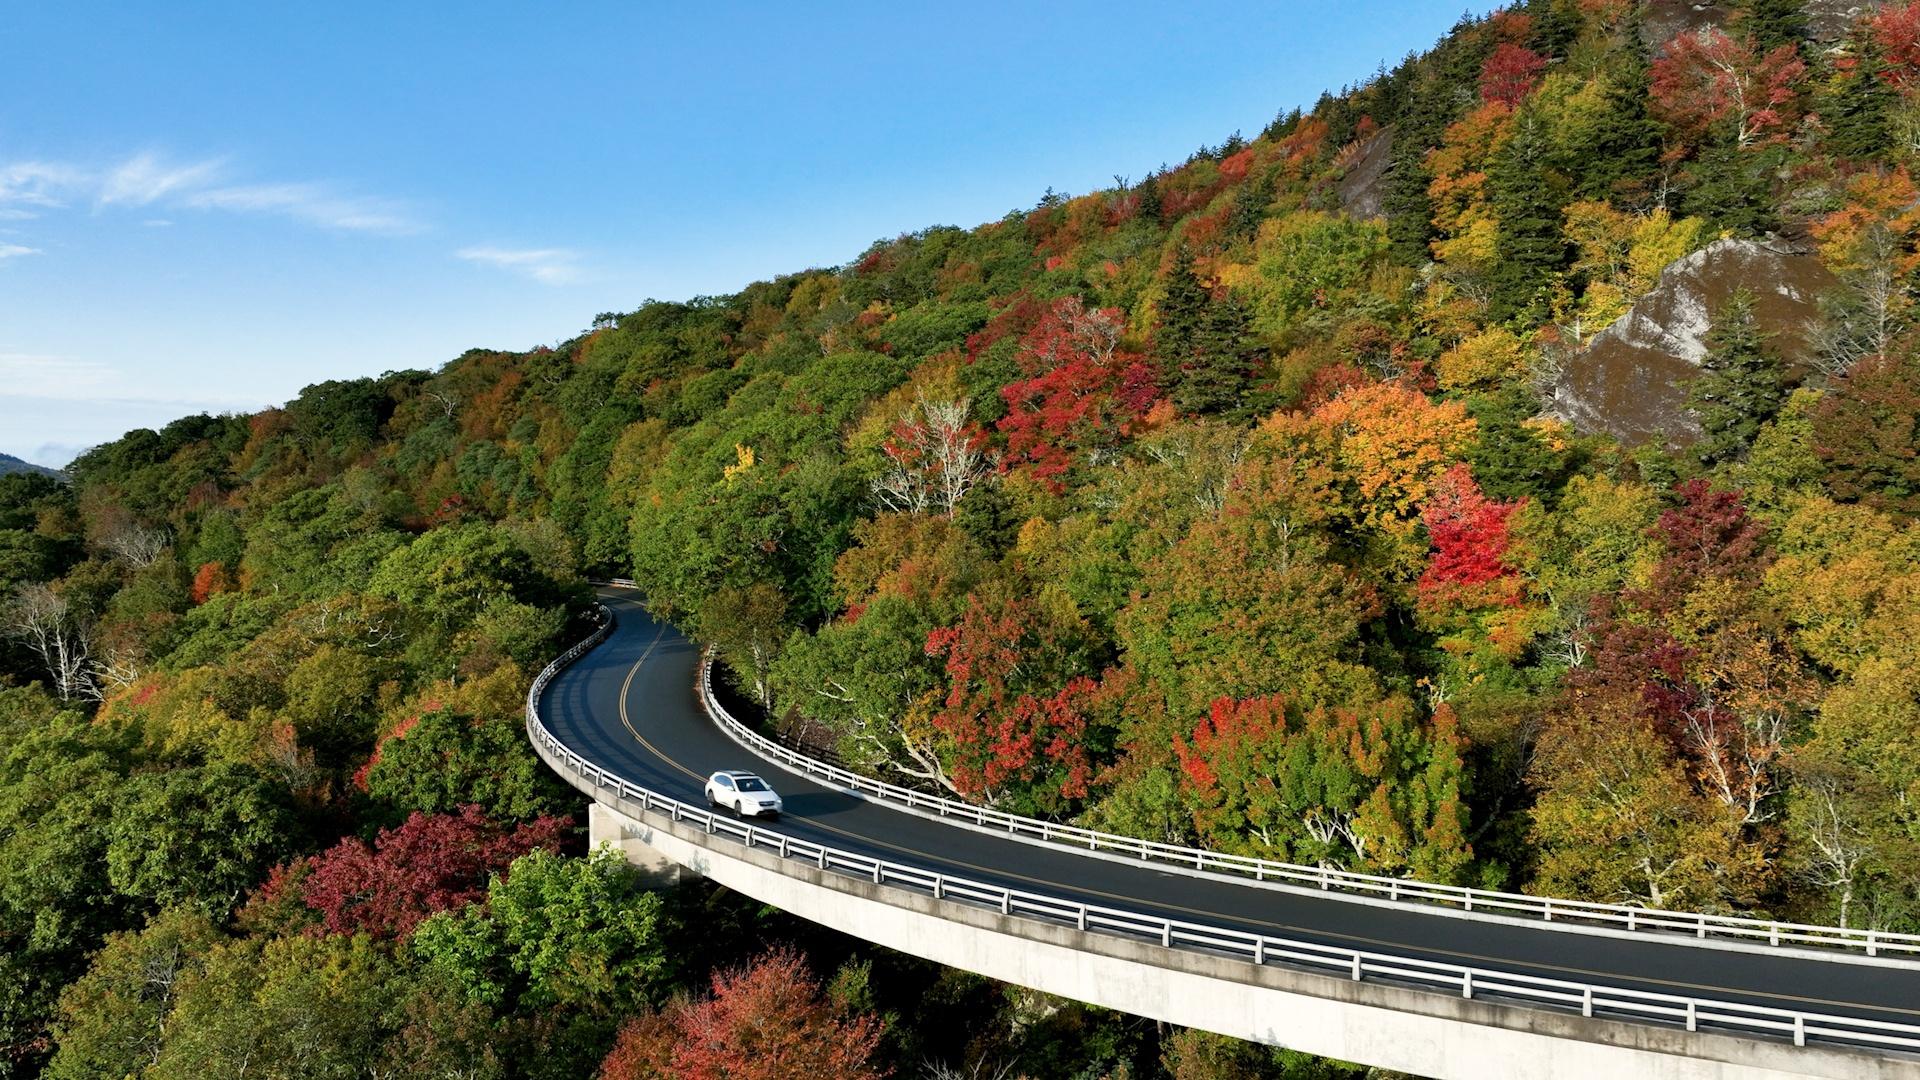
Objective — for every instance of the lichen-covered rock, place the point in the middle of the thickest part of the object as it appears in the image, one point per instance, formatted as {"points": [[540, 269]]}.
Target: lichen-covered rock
{"points": [[1360, 189], [1631, 379], [1827, 20]]}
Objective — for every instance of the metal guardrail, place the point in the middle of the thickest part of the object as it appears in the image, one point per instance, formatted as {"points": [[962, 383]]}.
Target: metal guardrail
{"points": [[1468, 982], [1695, 925]]}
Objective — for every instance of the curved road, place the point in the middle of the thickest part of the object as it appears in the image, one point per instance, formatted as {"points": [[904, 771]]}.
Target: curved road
{"points": [[630, 706]]}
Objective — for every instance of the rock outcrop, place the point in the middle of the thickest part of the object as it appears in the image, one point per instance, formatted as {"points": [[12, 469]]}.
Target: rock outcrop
{"points": [[1631, 379]]}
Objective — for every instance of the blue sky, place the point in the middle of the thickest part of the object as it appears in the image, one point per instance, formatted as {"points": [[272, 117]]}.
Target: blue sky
{"points": [[208, 206]]}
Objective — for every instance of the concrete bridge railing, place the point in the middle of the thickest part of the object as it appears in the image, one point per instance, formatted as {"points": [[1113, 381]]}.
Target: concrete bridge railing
{"points": [[904, 883]]}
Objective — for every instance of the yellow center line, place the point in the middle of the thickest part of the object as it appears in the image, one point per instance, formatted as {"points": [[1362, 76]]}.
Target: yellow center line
{"points": [[1310, 931]]}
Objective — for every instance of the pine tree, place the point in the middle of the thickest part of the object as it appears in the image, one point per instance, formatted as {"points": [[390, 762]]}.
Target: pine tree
{"points": [[1250, 204], [1857, 104], [1408, 208], [1556, 25], [1201, 344], [1530, 246], [1773, 23], [1215, 377], [1734, 188], [1149, 192], [1438, 88], [1624, 154], [1182, 309], [1741, 384]]}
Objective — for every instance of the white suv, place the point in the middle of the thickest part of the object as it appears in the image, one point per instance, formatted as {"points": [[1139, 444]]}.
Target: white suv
{"points": [[743, 792]]}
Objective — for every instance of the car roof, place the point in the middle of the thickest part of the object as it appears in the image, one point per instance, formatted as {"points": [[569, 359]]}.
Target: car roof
{"points": [[737, 774]]}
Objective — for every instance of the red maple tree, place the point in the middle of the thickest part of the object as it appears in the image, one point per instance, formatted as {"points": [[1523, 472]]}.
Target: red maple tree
{"points": [[1003, 729], [1470, 538], [1082, 391], [766, 1021], [1707, 80], [1510, 74], [427, 864]]}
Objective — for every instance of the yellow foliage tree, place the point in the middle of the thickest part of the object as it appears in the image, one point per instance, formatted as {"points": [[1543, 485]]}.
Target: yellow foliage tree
{"points": [[1393, 443], [1486, 357]]}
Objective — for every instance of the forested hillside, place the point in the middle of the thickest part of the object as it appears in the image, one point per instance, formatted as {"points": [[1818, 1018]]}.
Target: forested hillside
{"points": [[1228, 506]]}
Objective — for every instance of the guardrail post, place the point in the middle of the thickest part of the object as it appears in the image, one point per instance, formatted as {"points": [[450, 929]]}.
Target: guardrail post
{"points": [[823, 857], [1872, 946], [1586, 1001], [1702, 933], [1323, 879], [1548, 908], [1693, 1015], [1393, 890], [1006, 901], [939, 887], [783, 846], [1166, 935], [1799, 1029], [1356, 969], [1774, 938], [1080, 920], [1466, 984], [1259, 952], [878, 866], [1630, 925]]}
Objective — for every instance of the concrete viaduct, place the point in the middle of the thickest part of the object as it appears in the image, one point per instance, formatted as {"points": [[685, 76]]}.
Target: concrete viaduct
{"points": [[1433, 980]]}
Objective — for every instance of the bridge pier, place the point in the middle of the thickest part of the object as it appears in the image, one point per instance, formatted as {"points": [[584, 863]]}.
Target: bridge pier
{"points": [[608, 826]]}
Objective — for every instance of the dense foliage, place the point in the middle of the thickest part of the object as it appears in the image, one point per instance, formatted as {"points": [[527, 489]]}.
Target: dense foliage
{"points": [[1213, 507]]}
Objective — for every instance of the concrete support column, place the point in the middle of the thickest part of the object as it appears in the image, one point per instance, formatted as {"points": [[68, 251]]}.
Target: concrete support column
{"points": [[607, 826]]}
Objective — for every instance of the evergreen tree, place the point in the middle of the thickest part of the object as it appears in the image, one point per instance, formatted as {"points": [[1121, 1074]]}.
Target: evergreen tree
{"points": [[1439, 87], [1250, 204], [1741, 384], [1624, 154], [1733, 188], [1856, 105], [1531, 250], [1182, 309], [1217, 372], [1149, 191], [1283, 125], [1408, 208], [1556, 25], [1773, 23]]}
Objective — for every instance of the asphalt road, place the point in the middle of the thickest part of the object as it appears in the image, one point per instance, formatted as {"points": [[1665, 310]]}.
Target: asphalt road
{"points": [[630, 706]]}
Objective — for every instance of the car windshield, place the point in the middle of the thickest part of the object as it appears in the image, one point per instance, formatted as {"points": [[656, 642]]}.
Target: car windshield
{"points": [[752, 783]]}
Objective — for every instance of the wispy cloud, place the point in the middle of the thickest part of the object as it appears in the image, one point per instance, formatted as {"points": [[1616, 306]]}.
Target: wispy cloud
{"points": [[28, 188], [143, 179], [58, 377], [14, 251], [549, 266], [37, 183], [315, 204]]}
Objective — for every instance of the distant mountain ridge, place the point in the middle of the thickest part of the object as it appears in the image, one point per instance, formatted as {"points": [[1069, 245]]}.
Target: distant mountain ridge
{"points": [[11, 464]]}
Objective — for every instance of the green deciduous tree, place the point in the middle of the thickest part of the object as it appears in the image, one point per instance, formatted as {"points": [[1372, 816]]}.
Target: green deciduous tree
{"points": [[555, 931], [197, 836]]}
